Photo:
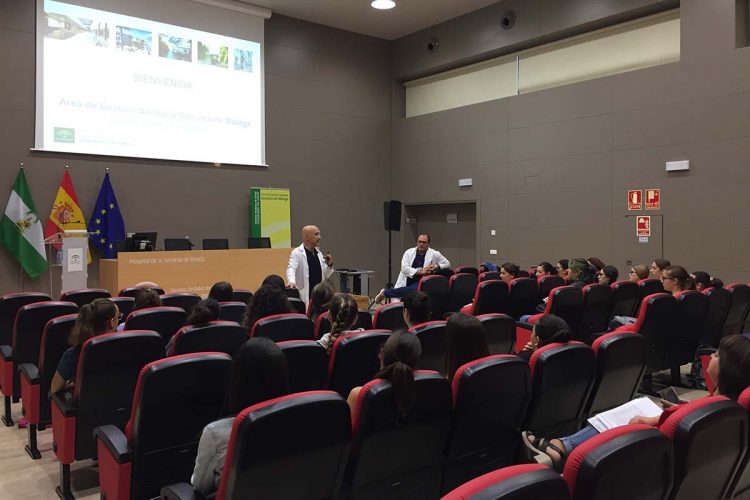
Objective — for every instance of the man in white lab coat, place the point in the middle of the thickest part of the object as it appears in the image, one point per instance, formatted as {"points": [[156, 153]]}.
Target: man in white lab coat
{"points": [[416, 262], [307, 264]]}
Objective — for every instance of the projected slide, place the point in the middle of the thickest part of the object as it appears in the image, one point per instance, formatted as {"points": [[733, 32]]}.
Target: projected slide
{"points": [[123, 86]]}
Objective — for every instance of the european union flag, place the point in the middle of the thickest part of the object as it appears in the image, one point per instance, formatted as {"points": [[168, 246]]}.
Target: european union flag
{"points": [[106, 222]]}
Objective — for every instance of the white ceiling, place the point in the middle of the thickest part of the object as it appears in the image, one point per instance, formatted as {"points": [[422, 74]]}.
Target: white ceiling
{"points": [[356, 15]]}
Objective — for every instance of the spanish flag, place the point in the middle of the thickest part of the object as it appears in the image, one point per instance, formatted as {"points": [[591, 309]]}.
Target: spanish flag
{"points": [[66, 211]]}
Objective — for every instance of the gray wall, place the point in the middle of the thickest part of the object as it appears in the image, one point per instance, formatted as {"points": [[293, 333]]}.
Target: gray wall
{"points": [[328, 120], [457, 241], [551, 168]]}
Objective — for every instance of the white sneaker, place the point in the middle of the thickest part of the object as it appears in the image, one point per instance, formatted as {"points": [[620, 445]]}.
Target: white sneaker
{"points": [[380, 297]]}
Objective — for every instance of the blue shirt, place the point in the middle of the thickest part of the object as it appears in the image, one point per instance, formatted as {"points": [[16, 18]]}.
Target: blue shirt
{"points": [[68, 363]]}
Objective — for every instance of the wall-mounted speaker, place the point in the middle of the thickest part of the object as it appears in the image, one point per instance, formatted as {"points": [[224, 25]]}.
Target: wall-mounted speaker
{"points": [[392, 215]]}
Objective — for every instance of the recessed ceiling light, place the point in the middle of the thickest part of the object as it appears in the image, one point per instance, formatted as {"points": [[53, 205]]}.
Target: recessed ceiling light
{"points": [[383, 4]]}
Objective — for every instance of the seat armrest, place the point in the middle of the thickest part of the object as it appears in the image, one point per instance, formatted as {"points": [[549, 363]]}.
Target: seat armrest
{"points": [[6, 352], [30, 372], [181, 491], [65, 402], [116, 443], [525, 326]]}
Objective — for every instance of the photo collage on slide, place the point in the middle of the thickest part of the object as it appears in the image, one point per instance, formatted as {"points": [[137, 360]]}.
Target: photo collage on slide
{"points": [[75, 24]]}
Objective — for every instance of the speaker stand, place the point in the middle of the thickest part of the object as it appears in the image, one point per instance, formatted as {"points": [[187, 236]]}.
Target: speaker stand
{"points": [[389, 284]]}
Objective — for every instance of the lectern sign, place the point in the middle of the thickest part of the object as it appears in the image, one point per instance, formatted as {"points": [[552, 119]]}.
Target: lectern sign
{"points": [[653, 199], [635, 199], [643, 225]]}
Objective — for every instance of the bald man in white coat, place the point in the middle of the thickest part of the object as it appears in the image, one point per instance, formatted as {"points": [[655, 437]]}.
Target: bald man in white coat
{"points": [[305, 256]]}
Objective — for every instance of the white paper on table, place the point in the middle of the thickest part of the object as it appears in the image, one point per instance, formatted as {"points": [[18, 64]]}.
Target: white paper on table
{"points": [[616, 417]]}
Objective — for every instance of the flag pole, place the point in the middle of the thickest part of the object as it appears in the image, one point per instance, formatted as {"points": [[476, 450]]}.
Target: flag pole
{"points": [[20, 266]]}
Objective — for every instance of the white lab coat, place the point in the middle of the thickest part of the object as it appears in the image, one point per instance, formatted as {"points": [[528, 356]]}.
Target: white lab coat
{"points": [[298, 273], [431, 257]]}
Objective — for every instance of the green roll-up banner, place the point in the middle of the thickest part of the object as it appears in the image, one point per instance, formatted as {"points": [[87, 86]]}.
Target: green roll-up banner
{"points": [[270, 216]]}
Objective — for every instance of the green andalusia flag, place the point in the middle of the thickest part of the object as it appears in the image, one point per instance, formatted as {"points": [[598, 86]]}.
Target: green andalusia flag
{"points": [[21, 230]]}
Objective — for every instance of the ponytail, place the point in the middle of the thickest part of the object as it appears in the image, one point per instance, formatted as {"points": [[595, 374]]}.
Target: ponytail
{"points": [[401, 354], [93, 319], [343, 313]]}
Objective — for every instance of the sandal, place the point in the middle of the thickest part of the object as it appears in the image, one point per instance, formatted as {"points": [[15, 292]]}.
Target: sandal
{"points": [[540, 446]]}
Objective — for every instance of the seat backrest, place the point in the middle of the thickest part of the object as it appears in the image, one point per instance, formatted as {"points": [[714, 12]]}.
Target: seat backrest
{"points": [[741, 483], [185, 301], [738, 310], [232, 311], [291, 293], [624, 463], [437, 288], [517, 482], [466, 270], [28, 328], [650, 286], [658, 322], [625, 298], [323, 324], [491, 296], [215, 336], [163, 319], [176, 244], [9, 306], [562, 377], [174, 399], [84, 296], [241, 295], [107, 372], [287, 326], [414, 445], [215, 244], [597, 304], [132, 291], [523, 294], [354, 360], [548, 283], [490, 397], [489, 275], [54, 344], [462, 289], [308, 364], [710, 439], [620, 364], [500, 332], [389, 317], [263, 242], [567, 303], [719, 302], [692, 312], [124, 304], [432, 336], [364, 320], [297, 305], [272, 438]]}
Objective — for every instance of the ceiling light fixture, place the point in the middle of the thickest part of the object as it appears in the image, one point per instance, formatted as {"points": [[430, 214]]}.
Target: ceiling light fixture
{"points": [[383, 4]]}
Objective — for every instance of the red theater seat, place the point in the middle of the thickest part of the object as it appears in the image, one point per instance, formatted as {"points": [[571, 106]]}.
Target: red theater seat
{"points": [[215, 336], [500, 331], [438, 288], [164, 320], [232, 311], [85, 295], [308, 364], [432, 337], [354, 360], [185, 301], [287, 326], [491, 296], [597, 305], [523, 295], [625, 298], [518, 482], [462, 289], [389, 317]]}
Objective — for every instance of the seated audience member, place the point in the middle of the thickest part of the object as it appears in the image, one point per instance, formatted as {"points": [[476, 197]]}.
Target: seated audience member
{"points": [[549, 329], [596, 262], [320, 300], [274, 280], [266, 301], [637, 273], [398, 359], [465, 342], [417, 308], [657, 266], [729, 369], [96, 318], [509, 272], [143, 298], [544, 269], [203, 312], [676, 279], [221, 291], [580, 273], [608, 275], [562, 268], [703, 281], [259, 373], [343, 316]]}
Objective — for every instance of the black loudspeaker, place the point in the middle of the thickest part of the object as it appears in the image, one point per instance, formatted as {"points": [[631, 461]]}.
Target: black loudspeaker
{"points": [[392, 215]]}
